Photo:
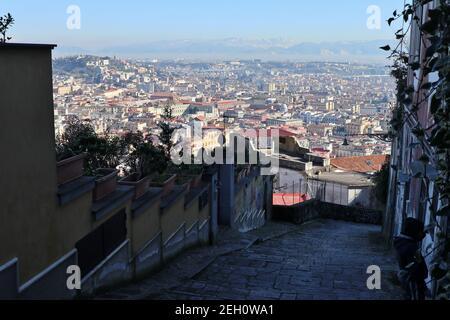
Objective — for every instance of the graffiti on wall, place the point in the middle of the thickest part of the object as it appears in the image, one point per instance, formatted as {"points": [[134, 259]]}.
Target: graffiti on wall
{"points": [[250, 207]]}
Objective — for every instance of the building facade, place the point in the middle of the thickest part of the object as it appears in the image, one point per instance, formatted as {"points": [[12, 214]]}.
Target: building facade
{"points": [[412, 189]]}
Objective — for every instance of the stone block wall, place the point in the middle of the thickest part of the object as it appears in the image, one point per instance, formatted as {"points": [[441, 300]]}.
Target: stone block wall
{"points": [[315, 209]]}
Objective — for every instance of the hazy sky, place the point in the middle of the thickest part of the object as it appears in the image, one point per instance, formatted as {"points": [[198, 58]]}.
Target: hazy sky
{"points": [[115, 22]]}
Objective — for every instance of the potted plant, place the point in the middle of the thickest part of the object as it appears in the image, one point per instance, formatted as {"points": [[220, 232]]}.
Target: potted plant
{"points": [[195, 172], [70, 164], [191, 173], [139, 183], [70, 168], [164, 181], [184, 180], [143, 159], [105, 183], [196, 180]]}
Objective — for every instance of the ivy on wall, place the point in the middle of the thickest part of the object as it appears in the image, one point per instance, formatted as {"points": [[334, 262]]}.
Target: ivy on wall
{"points": [[435, 38]]}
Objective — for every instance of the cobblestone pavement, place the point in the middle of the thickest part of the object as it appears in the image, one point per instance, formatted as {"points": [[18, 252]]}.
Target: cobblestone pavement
{"points": [[321, 260]]}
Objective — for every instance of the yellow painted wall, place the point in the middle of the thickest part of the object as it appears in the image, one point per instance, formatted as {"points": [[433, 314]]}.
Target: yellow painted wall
{"points": [[33, 227], [28, 164], [75, 220], [191, 214], [172, 218], [205, 213], [72, 222], [145, 227]]}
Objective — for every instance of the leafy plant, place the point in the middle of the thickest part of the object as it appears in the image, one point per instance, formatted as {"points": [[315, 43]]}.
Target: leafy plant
{"points": [[131, 151], [80, 137], [142, 156], [184, 169], [435, 38], [6, 22], [72, 141], [381, 180]]}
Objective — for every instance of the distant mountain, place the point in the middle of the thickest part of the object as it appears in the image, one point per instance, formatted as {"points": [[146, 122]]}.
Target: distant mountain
{"points": [[235, 48], [340, 48]]}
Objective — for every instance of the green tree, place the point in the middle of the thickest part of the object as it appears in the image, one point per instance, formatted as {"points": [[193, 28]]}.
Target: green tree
{"points": [[73, 140], [141, 156], [167, 130], [80, 137]]}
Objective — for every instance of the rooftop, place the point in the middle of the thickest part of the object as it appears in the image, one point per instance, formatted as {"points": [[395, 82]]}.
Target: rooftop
{"points": [[289, 199], [351, 179], [364, 164], [27, 45]]}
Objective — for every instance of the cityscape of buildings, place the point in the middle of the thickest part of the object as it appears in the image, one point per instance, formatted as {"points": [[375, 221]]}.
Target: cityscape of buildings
{"points": [[321, 104], [296, 180]]}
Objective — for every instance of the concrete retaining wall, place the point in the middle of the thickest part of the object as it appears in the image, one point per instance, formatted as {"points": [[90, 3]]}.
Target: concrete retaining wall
{"points": [[203, 232], [352, 214], [175, 244], [149, 258], [192, 236], [9, 280], [52, 282], [118, 268], [115, 269]]}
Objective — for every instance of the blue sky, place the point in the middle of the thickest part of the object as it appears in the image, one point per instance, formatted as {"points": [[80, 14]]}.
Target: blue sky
{"points": [[114, 22]]}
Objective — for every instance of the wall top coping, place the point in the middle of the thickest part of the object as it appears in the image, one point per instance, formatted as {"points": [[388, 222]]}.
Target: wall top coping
{"points": [[28, 45]]}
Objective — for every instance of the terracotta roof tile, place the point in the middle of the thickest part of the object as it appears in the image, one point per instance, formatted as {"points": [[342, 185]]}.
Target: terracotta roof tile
{"points": [[363, 164], [289, 199]]}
